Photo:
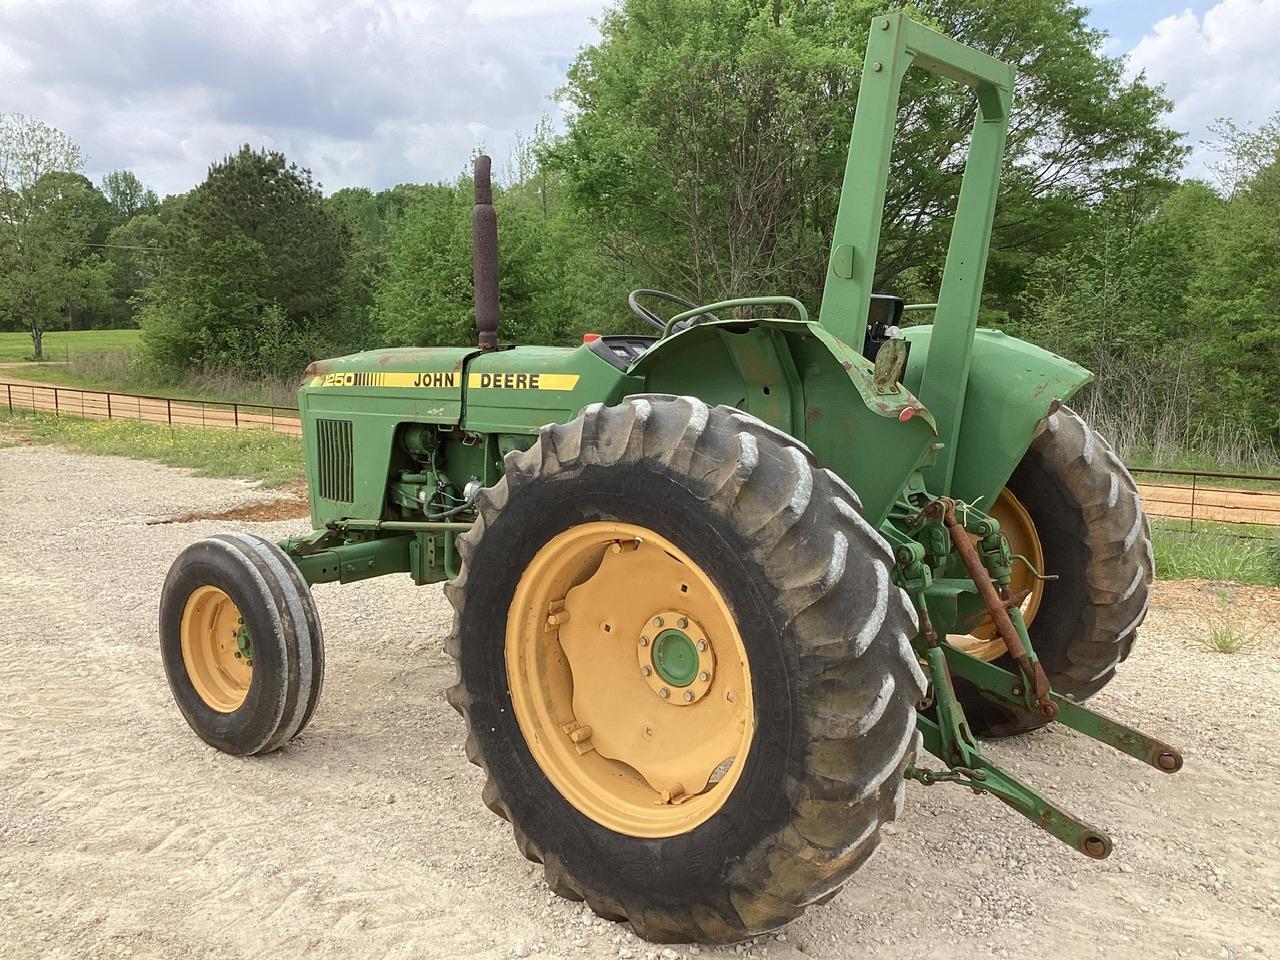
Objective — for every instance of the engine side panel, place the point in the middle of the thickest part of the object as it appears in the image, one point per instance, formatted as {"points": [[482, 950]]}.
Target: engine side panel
{"points": [[351, 408]]}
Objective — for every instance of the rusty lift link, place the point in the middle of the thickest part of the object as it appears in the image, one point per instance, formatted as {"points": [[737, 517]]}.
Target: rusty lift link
{"points": [[997, 607]]}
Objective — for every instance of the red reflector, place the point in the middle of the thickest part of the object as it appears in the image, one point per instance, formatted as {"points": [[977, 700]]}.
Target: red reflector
{"points": [[906, 414], [589, 337]]}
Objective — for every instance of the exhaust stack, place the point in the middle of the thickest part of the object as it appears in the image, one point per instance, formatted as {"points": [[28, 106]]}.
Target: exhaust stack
{"points": [[484, 245]]}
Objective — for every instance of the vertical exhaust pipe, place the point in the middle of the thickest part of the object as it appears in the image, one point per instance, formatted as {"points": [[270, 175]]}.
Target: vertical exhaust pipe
{"points": [[484, 245]]}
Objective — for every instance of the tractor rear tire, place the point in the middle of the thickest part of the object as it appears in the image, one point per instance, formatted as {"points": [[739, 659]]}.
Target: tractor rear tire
{"points": [[824, 641], [241, 643], [1096, 538]]}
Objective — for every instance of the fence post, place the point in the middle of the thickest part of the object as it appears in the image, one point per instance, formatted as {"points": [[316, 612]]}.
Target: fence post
{"points": [[56, 411], [108, 406], [235, 412], [169, 404], [1194, 477], [9, 387]]}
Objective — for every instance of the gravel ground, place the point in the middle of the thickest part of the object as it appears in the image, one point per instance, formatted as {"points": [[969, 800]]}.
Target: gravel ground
{"points": [[121, 834]]}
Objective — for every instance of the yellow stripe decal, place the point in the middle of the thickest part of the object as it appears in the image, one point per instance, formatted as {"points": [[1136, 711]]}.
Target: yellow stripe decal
{"points": [[427, 379], [522, 381], [448, 381]]}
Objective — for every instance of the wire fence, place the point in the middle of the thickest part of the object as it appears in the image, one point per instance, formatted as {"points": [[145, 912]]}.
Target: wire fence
{"points": [[1201, 497], [173, 411], [1247, 505]]}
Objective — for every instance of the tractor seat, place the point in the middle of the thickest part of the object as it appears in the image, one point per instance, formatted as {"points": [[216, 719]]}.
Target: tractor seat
{"points": [[621, 350]]}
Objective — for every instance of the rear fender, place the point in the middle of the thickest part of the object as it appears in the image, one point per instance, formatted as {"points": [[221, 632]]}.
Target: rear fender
{"points": [[797, 377], [1012, 387]]}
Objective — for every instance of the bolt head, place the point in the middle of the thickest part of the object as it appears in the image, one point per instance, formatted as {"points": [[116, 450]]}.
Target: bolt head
{"points": [[731, 696], [644, 641], [645, 671], [702, 645], [682, 623], [688, 696], [658, 621], [664, 693], [704, 676]]}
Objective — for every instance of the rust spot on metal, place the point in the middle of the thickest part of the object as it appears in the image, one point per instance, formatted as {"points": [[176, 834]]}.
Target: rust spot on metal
{"points": [[847, 364], [813, 413], [1094, 847], [999, 613]]}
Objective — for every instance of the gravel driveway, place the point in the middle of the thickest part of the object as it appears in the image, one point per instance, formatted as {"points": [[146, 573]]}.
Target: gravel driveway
{"points": [[121, 834]]}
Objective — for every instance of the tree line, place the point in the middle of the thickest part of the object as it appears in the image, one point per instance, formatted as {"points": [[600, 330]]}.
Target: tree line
{"points": [[703, 153]]}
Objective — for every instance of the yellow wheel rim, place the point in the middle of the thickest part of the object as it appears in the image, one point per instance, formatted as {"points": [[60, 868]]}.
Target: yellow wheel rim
{"points": [[215, 649], [1016, 524], [629, 679]]}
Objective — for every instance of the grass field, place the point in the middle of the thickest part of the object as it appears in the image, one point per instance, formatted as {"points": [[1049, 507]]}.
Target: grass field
{"points": [[114, 367], [62, 345], [262, 455]]}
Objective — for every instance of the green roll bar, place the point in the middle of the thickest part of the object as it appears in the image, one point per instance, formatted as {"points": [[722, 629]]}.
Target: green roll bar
{"points": [[895, 45]]}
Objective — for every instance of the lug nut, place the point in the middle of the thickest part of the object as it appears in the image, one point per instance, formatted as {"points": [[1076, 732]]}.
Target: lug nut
{"points": [[645, 671], [702, 645], [731, 696], [658, 621], [644, 641], [664, 693], [682, 623], [688, 696], [704, 676]]}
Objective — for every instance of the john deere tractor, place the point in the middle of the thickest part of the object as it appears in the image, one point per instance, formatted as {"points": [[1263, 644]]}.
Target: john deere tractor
{"points": [[720, 592]]}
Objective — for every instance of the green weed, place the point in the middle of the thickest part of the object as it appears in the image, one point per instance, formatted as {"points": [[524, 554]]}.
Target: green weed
{"points": [[256, 454], [1214, 554]]}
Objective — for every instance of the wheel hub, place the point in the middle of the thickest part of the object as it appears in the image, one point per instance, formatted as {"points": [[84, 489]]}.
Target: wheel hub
{"points": [[677, 661]]}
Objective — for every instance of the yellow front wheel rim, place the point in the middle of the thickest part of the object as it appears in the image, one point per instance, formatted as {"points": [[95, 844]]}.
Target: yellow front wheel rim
{"points": [[216, 649], [629, 679], [1020, 530]]}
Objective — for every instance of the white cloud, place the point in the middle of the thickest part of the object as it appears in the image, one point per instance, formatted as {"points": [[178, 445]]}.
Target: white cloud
{"points": [[1223, 64], [364, 92]]}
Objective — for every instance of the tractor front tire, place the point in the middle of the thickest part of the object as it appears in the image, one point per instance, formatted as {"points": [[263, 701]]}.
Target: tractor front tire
{"points": [[664, 569], [1096, 539], [241, 644]]}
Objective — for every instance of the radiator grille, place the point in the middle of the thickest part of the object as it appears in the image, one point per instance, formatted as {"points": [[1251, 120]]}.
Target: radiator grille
{"points": [[333, 443]]}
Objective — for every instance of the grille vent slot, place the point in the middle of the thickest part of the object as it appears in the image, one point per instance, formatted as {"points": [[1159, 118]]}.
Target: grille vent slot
{"points": [[333, 443]]}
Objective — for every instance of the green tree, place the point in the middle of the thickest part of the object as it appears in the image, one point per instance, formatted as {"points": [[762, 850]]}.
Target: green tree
{"points": [[1236, 292], [255, 235], [48, 215], [127, 196], [707, 139], [425, 297]]}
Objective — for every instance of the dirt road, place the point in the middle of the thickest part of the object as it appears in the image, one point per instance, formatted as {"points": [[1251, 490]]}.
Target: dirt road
{"points": [[100, 405], [121, 834]]}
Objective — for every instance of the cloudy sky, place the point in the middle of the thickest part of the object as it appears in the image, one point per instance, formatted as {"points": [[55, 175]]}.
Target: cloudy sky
{"points": [[377, 92]]}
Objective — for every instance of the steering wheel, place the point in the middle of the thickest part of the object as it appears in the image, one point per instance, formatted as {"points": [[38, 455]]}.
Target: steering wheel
{"points": [[649, 317]]}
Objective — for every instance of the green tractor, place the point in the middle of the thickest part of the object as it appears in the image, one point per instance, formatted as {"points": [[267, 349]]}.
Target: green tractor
{"points": [[716, 588]]}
